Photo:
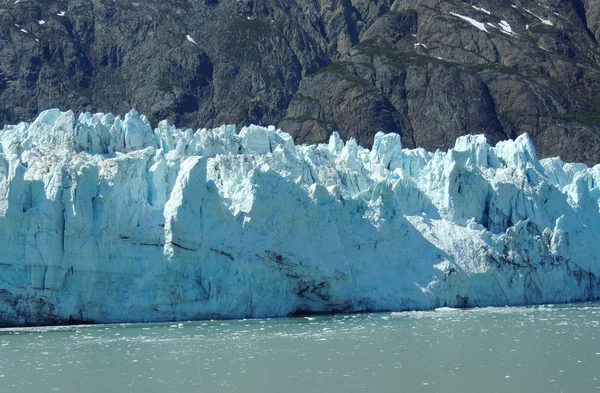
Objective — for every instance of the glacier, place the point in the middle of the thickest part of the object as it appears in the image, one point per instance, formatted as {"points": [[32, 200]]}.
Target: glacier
{"points": [[104, 219]]}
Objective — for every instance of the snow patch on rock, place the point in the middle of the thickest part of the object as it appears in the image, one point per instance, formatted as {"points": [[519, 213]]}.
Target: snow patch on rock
{"points": [[479, 25]]}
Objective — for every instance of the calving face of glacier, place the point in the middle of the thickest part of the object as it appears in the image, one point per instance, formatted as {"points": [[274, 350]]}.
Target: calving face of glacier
{"points": [[104, 219]]}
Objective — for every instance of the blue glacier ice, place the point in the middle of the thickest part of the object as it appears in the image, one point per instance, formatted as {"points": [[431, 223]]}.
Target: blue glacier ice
{"points": [[104, 219]]}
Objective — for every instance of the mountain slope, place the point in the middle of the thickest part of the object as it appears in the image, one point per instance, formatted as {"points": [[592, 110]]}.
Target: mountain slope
{"points": [[428, 70]]}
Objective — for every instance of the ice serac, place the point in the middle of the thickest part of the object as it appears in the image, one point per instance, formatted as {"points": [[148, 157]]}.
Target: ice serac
{"points": [[103, 219]]}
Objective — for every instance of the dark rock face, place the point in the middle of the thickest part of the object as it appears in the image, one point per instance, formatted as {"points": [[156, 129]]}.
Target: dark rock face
{"points": [[415, 67]]}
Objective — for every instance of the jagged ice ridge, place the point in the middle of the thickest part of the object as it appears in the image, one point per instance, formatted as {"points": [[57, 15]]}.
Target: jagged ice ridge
{"points": [[103, 219]]}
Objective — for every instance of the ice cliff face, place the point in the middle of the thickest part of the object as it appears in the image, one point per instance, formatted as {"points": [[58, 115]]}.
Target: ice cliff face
{"points": [[104, 219]]}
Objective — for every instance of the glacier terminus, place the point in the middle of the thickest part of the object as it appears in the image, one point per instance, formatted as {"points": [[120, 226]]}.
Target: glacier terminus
{"points": [[104, 219]]}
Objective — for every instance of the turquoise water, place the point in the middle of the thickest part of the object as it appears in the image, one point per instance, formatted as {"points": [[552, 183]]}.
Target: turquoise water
{"points": [[525, 349]]}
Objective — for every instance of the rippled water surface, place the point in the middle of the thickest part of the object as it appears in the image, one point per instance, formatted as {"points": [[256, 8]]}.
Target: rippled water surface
{"points": [[531, 349]]}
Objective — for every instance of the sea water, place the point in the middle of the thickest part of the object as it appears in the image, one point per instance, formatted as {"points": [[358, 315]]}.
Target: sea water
{"points": [[522, 349]]}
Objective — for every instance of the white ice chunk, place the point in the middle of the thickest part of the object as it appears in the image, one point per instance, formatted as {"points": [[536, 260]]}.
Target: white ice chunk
{"points": [[255, 139], [387, 150], [335, 143]]}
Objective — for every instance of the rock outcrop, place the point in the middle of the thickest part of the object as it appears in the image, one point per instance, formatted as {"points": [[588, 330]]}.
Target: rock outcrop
{"points": [[428, 70]]}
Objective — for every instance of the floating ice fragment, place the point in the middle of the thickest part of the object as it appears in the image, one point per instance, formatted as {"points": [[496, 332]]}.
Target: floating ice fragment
{"points": [[190, 39], [24, 31], [444, 309], [42, 22], [61, 13]]}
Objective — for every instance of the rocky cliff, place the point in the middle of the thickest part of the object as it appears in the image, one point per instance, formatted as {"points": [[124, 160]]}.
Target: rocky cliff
{"points": [[428, 70]]}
